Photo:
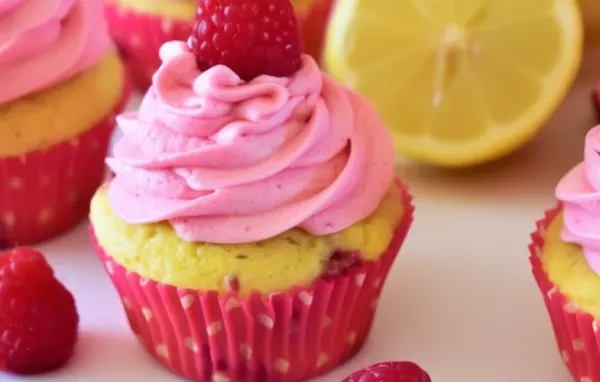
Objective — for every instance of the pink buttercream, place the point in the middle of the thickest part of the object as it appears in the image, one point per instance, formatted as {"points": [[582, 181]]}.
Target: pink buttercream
{"points": [[579, 191], [228, 162], [44, 42]]}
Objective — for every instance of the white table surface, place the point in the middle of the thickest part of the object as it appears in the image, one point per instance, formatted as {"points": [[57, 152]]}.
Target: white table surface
{"points": [[460, 300]]}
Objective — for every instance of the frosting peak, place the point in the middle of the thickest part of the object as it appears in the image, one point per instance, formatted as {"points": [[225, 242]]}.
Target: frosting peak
{"points": [[44, 42], [228, 161], [579, 191]]}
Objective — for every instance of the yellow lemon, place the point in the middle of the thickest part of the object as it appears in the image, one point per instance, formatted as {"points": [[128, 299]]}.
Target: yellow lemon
{"points": [[459, 82]]}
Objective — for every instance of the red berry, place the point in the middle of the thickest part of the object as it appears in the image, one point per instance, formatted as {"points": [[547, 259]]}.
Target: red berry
{"points": [[340, 262], [390, 372], [38, 317], [251, 37]]}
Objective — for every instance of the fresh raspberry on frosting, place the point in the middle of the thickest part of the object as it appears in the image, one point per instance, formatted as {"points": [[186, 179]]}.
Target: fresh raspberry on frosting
{"points": [[390, 372], [251, 37], [38, 317]]}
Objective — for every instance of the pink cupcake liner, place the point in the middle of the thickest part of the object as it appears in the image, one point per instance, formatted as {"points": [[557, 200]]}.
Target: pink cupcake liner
{"points": [[44, 193], [293, 336], [576, 332], [140, 36]]}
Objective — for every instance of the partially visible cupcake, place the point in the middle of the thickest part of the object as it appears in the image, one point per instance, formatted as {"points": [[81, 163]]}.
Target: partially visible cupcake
{"points": [[254, 214], [565, 256], [140, 27], [313, 16], [61, 83]]}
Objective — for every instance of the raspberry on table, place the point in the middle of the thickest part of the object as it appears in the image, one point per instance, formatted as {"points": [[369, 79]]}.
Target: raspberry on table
{"points": [[38, 316], [390, 372], [251, 37]]}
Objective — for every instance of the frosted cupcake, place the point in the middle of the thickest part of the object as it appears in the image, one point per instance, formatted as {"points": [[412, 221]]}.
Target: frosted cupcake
{"points": [[254, 214], [61, 85], [565, 255], [140, 27]]}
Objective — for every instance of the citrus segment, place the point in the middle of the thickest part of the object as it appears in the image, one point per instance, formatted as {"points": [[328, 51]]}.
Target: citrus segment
{"points": [[459, 82]]}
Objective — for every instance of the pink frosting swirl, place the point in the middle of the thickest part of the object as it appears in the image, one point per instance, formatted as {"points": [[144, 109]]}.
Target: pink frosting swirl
{"points": [[579, 191], [227, 161], [44, 42]]}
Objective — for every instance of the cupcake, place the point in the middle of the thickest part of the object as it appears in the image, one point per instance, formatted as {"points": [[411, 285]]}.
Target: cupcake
{"points": [[565, 256], [61, 85], [140, 27], [254, 214]]}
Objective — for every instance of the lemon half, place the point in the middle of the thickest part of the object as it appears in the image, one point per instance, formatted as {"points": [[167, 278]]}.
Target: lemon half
{"points": [[459, 82]]}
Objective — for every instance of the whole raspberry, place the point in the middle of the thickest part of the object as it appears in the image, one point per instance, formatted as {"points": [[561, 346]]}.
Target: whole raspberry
{"points": [[390, 372], [38, 317], [251, 37]]}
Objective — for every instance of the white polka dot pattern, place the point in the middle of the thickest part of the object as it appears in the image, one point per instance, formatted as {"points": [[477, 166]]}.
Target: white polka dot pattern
{"points": [[190, 344], [323, 359], [187, 301], [162, 351], [282, 365]]}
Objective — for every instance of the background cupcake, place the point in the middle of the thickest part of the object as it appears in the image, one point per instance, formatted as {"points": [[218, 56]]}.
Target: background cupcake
{"points": [[140, 27], [565, 256], [62, 83], [253, 218]]}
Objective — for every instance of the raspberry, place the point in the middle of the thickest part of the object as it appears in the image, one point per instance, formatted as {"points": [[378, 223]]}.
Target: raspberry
{"points": [[251, 37], [390, 372], [232, 283], [340, 262], [38, 317]]}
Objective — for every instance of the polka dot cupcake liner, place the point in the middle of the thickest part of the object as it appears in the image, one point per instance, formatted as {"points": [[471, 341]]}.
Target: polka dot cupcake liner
{"points": [[207, 336], [44, 193], [576, 332], [139, 37]]}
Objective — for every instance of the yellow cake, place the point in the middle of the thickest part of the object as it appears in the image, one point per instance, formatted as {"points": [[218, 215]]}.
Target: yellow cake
{"points": [[293, 258], [62, 112], [568, 270]]}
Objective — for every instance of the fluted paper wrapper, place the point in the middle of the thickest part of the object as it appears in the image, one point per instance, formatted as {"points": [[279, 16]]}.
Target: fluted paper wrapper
{"points": [[207, 336], [576, 332], [44, 193]]}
